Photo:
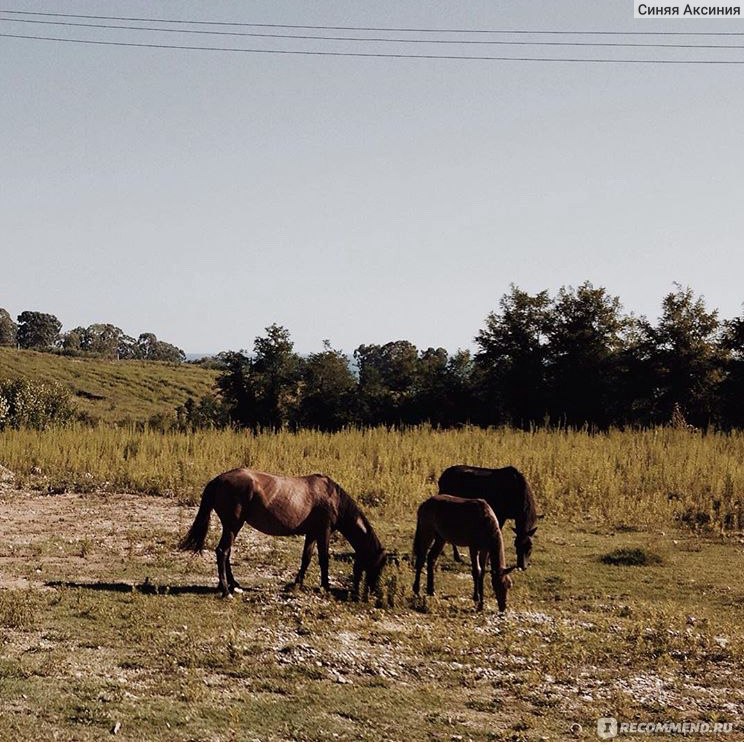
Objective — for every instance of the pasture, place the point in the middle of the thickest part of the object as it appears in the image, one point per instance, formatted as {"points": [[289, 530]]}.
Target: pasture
{"points": [[631, 607], [113, 392]]}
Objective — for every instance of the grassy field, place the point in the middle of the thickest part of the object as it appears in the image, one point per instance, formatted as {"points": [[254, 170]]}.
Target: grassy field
{"points": [[113, 392], [638, 478], [105, 627]]}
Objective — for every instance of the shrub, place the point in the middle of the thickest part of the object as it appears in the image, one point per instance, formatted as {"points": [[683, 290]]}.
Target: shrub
{"points": [[631, 557], [35, 404]]}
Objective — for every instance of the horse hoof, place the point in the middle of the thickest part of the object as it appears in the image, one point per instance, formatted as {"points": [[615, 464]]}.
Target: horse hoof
{"points": [[227, 596], [237, 589]]}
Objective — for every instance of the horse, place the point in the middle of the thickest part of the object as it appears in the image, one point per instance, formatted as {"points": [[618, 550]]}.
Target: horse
{"points": [[466, 522], [313, 506], [507, 492]]}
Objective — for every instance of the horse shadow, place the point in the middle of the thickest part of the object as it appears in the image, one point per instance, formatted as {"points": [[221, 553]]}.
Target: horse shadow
{"points": [[149, 588]]}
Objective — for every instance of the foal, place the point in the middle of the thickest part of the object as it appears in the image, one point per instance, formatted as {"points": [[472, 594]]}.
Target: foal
{"points": [[463, 522]]}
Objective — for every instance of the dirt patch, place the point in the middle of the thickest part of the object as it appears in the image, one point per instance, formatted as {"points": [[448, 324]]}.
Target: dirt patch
{"points": [[85, 538]]}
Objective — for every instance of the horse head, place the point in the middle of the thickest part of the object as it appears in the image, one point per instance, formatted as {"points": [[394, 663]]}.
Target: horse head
{"points": [[373, 571], [501, 585]]}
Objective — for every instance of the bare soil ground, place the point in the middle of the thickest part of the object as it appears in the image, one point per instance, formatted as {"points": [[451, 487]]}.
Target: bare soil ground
{"points": [[107, 631]]}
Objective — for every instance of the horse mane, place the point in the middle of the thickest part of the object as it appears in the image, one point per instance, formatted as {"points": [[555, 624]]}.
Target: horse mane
{"points": [[502, 556], [497, 538], [529, 508], [349, 514]]}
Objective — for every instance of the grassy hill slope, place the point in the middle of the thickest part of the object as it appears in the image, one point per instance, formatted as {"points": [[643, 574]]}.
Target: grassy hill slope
{"points": [[113, 391]]}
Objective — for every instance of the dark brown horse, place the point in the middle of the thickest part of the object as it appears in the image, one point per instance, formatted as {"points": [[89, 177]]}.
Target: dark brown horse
{"points": [[507, 492], [313, 506], [464, 522]]}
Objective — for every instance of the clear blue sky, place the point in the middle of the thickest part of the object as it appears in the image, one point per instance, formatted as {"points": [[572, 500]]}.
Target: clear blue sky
{"points": [[204, 195]]}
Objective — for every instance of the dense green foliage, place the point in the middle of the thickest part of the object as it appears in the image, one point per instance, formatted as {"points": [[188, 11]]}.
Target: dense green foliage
{"points": [[8, 329], [42, 331], [573, 360]]}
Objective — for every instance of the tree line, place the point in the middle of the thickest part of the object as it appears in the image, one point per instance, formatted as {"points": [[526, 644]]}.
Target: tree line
{"points": [[43, 332], [575, 359]]}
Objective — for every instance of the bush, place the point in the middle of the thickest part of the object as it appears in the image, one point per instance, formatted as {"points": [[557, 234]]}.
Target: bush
{"points": [[631, 557], [35, 404]]}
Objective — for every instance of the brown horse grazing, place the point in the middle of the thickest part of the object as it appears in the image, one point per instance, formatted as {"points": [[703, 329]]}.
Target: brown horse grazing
{"points": [[313, 506], [464, 522], [507, 492]]}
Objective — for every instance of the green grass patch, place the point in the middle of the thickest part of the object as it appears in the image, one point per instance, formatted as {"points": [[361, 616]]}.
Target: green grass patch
{"points": [[113, 392]]}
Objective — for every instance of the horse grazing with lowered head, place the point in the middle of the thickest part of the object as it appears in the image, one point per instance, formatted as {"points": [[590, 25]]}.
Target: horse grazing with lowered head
{"points": [[463, 522], [507, 492], [313, 506]]}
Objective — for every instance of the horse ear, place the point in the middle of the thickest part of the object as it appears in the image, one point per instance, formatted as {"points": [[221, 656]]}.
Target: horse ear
{"points": [[532, 532]]}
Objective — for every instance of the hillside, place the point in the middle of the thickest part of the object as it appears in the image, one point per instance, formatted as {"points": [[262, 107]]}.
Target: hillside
{"points": [[113, 391]]}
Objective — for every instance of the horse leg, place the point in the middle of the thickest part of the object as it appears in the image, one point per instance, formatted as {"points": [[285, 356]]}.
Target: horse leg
{"points": [[434, 552], [417, 579], [223, 554], [324, 540], [456, 554], [233, 584], [484, 555], [477, 577], [421, 543], [307, 555]]}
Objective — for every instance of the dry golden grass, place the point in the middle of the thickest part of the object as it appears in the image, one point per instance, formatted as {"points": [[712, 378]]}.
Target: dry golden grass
{"points": [[637, 478]]}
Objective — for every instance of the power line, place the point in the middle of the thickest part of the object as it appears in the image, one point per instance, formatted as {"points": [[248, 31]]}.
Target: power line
{"points": [[371, 54], [372, 28], [264, 35]]}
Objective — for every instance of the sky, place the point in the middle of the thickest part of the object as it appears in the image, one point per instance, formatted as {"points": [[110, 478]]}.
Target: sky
{"points": [[204, 195]]}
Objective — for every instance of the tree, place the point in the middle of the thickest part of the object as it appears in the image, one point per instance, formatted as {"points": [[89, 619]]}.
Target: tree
{"points": [[731, 403], [276, 377], [8, 329], [102, 339], [687, 364], [208, 413], [328, 390], [38, 330], [236, 388], [149, 347], [387, 380], [585, 337], [511, 361], [430, 387], [72, 340], [262, 390]]}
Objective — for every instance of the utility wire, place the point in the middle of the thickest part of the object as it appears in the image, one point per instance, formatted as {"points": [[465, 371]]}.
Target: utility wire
{"points": [[372, 54], [265, 35], [372, 28]]}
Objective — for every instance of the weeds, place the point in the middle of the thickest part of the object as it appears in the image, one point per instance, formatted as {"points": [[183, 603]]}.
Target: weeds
{"points": [[627, 479]]}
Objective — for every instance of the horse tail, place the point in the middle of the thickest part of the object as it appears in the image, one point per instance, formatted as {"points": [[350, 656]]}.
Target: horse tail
{"points": [[197, 534], [416, 541]]}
